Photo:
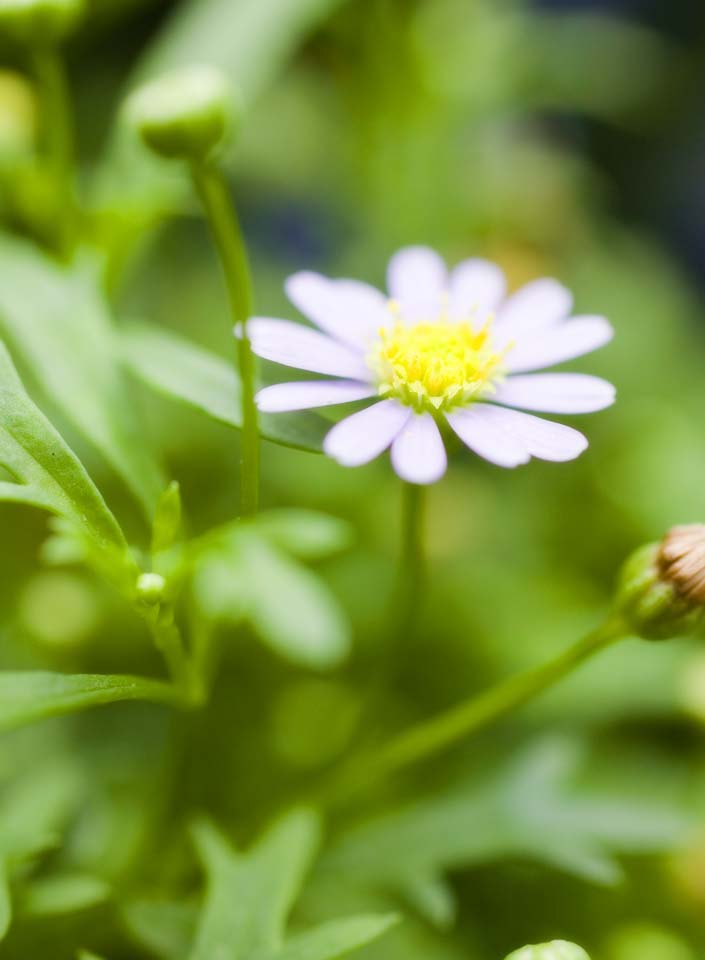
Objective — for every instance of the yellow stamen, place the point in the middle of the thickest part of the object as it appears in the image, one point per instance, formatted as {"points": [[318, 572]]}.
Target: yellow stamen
{"points": [[436, 366]]}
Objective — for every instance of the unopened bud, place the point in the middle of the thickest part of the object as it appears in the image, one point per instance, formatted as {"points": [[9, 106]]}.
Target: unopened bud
{"points": [[650, 599], [555, 950], [185, 114], [150, 588], [39, 22]]}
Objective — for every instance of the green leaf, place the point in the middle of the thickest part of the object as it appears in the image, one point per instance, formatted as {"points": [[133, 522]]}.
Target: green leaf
{"points": [[33, 811], [333, 939], [250, 40], [307, 534], [34, 695], [47, 473], [57, 324], [186, 372], [525, 808], [165, 927], [246, 578], [249, 895], [64, 893], [88, 955], [167, 519]]}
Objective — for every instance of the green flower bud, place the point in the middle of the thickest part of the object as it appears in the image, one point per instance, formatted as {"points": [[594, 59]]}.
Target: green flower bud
{"points": [[555, 950], [150, 588], [184, 114], [661, 589], [39, 22]]}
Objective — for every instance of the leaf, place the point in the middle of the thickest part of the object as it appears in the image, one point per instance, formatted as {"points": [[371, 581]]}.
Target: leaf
{"points": [[250, 40], [32, 812], [186, 372], [167, 519], [57, 324], [307, 534], [245, 578], [249, 895], [333, 939], [35, 695], [526, 808], [64, 893], [165, 927], [49, 475]]}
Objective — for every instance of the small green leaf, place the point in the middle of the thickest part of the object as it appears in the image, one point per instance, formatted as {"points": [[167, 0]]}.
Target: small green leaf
{"points": [[88, 955], [167, 519], [47, 473], [333, 939], [64, 893], [289, 607], [307, 534], [186, 372], [249, 895], [57, 324], [34, 695]]}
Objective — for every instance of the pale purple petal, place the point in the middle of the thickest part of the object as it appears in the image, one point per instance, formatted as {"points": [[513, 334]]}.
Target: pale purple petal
{"points": [[364, 435], [535, 306], [304, 395], [294, 345], [417, 279], [480, 429], [349, 310], [562, 342], [556, 393], [418, 454], [476, 289], [542, 438]]}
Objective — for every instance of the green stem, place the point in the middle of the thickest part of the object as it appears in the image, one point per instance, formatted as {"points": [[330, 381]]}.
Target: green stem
{"points": [[447, 728], [168, 640], [227, 235], [413, 561], [58, 130]]}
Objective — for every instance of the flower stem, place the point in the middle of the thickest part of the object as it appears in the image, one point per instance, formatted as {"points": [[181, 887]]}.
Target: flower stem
{"points": [[413, 560], [227, 235], [168, 640], [450, 726], [58, 129]]}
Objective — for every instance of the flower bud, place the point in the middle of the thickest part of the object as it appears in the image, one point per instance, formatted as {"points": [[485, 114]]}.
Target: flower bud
{"points": [[655, 595], [184, 114], [555, 950], [150, 588], [39, 22]]}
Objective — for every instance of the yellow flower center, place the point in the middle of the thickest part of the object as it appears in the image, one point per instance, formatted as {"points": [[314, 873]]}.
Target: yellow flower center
{"points": [[437, 365]]}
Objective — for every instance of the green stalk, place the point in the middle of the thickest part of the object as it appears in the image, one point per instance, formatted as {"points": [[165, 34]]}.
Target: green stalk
{"points": [[227, 235], [412, 566], [447, 728]]}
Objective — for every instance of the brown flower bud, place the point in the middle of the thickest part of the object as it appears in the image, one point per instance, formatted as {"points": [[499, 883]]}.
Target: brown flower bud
{"points": [[681, 560]]}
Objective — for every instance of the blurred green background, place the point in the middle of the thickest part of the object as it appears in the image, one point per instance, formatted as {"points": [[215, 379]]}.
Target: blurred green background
{"points": [[558, 139]]}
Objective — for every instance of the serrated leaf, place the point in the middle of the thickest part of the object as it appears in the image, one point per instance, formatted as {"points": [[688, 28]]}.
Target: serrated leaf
{"points": [[28, 696], [48, 474], [57, 324], [333, 939], [525, 808], [249, 895], [289, 607], [186, 372]]}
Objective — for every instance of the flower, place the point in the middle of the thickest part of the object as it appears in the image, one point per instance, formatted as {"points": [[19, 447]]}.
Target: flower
{"points": [[442, 348]]}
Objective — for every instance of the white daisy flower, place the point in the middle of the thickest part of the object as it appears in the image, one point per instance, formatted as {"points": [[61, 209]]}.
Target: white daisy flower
{"points": [[442, 348]]}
